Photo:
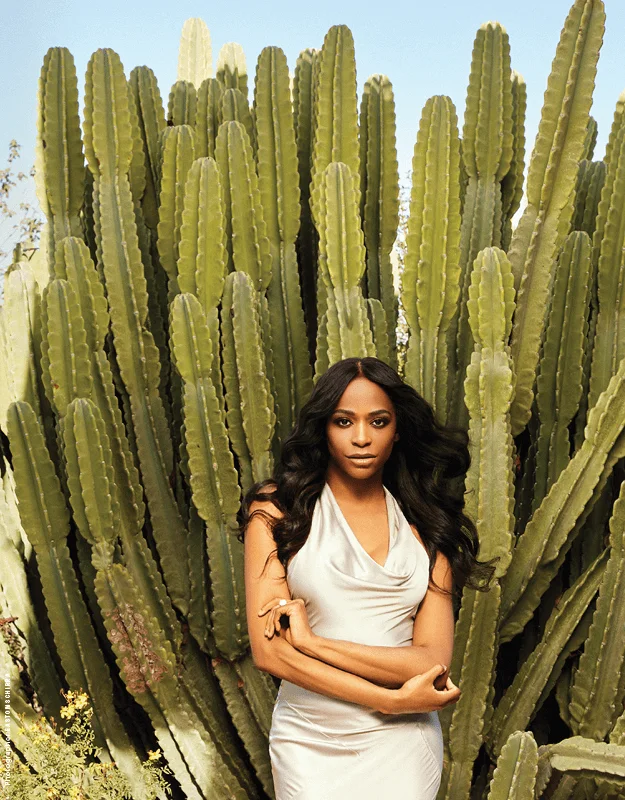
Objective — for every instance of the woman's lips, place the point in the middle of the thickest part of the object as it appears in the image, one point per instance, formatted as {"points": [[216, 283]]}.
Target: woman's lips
{"points": [[362, 461]]}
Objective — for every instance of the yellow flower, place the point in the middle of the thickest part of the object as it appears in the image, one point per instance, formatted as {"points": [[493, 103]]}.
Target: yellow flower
{"points": [[81, 700], [154, 755], [68, 712]]}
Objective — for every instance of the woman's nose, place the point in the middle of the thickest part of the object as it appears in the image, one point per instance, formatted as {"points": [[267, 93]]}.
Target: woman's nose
{"points": [[360, 433]]}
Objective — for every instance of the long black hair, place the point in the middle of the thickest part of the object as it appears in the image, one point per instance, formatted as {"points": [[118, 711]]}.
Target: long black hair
{"points": [[424, 463]]}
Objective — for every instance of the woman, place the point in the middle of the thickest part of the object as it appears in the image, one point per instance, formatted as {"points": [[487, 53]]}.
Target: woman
{"points": [[355, 533]]}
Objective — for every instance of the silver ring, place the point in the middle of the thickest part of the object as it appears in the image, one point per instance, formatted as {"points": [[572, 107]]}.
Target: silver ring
{"points": [[282, 602]]}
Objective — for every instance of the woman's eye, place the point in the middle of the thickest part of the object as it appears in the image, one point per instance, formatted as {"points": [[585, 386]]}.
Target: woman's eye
{"points": [[339, 420], [382, 422]]}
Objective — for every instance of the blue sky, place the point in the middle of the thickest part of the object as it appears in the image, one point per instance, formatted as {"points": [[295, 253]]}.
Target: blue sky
{"points": [[424, 47]]}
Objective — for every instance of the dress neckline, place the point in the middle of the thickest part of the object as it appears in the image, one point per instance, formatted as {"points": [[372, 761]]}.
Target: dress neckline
{"points": [[391, 520]]}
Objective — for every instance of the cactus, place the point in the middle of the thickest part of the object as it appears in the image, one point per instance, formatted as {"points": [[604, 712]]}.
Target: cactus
{"points": [[216, 493], [16, 601], [248, 246], [431, 271], [512, 182], [608, 349], [582, 756], [336, 110], [487, 153], [61, 185], [178, 148], [157, 350], [245, 378], [182, 105], [279, 193], [550, 183], [595, 697], [109, 160], [234, 107], [559, 380], [342, 250], [151, 121], [208, 117], [307, 240], [45, 517], [590, 139], [195, 58], [520, 702], [231, 67], [590, 180], [379, 196], [488, 393], [516, 770], [548, 530]]}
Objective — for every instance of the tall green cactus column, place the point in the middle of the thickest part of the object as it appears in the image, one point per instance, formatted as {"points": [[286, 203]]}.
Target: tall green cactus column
{"points": [[559, 379], [596, 698], [44, 514], [512, 182], [216, 495], [109, 152], [430, 282], [487, 151], [61, 167], [279, 192], [515, 774], [151, 120], [195, 54], [208, 117], [304, 90], [248, 248], [604, 342], [145, 657], [379, 199], [488, 392], [335, 140], [178, 153], [341, 247], [550, 185]]}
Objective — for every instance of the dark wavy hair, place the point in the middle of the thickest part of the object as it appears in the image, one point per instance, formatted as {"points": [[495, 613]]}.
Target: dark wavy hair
{"points": [[424, 462]]}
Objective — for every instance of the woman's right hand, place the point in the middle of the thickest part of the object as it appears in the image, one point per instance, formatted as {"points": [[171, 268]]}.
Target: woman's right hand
{"points": [[419, 695]]}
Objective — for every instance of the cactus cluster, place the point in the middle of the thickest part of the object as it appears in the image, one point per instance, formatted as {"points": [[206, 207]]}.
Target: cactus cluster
{"points": [[204, 261]]}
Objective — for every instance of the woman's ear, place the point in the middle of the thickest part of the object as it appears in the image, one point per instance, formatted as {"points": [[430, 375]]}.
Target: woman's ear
{"points": [[396, 437]]}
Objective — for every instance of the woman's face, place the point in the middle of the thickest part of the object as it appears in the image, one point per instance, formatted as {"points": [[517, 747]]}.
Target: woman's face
{"points": [[362, 429]]}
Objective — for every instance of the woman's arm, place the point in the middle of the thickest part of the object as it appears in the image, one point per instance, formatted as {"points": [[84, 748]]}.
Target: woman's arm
{"points": [[432, 641], [284, 661], [279, 657], [390, 667]]}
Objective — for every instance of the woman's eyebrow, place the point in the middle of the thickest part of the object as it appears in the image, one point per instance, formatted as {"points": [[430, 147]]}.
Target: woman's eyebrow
{"points": [[352, 413]]}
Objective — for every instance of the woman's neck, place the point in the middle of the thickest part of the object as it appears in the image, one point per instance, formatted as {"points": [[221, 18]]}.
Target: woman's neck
{"points": [[366, 490]]}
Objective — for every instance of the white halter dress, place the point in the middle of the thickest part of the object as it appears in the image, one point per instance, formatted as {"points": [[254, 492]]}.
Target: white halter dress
{"points": [[323, 748]]}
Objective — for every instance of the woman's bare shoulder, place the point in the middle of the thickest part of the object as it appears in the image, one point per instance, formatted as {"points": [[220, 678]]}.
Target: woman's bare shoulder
{"points": [[268, 506]]}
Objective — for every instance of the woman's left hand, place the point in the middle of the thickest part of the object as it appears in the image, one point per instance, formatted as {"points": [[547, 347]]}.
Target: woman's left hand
{"points": [[299, 632]]}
